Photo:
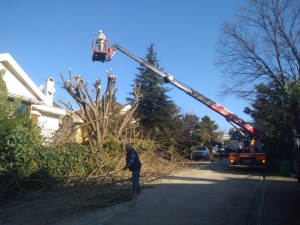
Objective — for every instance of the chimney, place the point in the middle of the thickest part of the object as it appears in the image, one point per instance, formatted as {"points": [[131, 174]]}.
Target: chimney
{"points": [[49, 90]]}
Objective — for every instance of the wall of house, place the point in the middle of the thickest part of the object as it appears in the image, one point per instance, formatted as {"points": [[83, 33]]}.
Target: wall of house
{"points": [[48, 122], [226, 136], [81, 133], [14, 86]]}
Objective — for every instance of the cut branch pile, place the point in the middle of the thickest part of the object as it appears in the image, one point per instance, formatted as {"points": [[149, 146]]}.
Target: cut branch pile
{"points": [[101, 189]]}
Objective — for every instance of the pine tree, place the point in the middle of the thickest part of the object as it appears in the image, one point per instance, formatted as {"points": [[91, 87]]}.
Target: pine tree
{"points": [[156, 110]]}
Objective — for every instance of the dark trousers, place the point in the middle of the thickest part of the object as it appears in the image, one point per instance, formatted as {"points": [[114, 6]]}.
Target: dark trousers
{"points": [[136, 180]]}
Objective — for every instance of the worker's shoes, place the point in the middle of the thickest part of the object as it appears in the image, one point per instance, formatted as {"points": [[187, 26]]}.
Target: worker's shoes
{"points": [[136, 192], [134, 195]]}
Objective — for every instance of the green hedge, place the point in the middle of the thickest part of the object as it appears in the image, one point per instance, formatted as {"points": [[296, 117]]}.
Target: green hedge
{"points": [[37, 166]]}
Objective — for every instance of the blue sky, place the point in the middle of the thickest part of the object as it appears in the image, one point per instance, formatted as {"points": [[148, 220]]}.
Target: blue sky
{"points": [[48, 37]]}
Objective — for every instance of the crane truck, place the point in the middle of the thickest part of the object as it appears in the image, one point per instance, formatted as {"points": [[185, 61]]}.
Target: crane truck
{"points": [[245, 140]]}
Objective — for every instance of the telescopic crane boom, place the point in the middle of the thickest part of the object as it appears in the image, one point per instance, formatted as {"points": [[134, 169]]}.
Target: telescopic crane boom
{"points": [[168, 78], [251, 139]]}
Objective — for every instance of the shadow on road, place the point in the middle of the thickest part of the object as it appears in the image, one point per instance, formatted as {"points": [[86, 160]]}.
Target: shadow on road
{"points": [[194, 195]]}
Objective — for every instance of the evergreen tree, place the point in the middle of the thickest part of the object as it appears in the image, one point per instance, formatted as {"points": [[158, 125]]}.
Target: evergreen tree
{"points": [[20, 137], [156, 110], [207, 129], [17, 131], [188, 132]]}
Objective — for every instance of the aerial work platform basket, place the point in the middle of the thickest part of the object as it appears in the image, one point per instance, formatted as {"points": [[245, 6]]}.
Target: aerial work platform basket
{"points": [[101, 55]]}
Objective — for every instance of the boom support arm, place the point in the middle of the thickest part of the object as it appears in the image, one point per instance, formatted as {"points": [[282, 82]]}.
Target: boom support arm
{"points": [[168, 78]]}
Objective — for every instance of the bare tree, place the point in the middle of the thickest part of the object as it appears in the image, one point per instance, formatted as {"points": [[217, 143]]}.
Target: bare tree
{"points": [[260, 47], [97, 112]]}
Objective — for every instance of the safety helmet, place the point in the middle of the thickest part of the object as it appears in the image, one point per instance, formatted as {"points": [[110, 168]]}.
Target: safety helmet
{"points": [[100, 31]]}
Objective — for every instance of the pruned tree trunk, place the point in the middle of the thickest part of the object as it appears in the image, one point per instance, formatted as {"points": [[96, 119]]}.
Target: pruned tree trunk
{"points": [[129, 115], [97, 112]]}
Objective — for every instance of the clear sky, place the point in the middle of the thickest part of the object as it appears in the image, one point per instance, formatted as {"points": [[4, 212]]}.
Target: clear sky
{"points": [[48, 37]]}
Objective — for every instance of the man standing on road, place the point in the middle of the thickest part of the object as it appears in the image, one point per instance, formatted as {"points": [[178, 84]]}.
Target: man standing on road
{"points": [[134, 165]]}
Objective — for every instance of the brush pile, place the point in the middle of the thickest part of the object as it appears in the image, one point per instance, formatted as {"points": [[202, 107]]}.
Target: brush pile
{"points": [[105, 186]]}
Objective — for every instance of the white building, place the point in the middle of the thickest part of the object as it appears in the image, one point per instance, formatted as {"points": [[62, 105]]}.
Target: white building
{"points": [[225, 136], [125, 108], [38, 102]]}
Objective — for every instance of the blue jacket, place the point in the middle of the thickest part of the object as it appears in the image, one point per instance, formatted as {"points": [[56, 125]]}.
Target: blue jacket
{"points": [[132, 160]]}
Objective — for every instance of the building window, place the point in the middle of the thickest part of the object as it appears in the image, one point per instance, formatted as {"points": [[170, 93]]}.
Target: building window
{"points": [[23, 107]]}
